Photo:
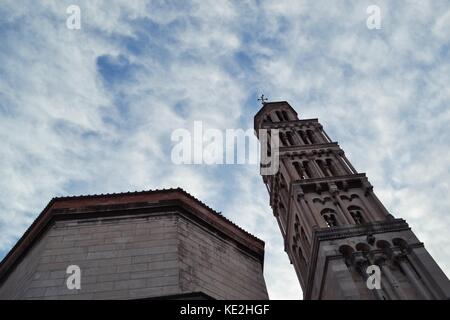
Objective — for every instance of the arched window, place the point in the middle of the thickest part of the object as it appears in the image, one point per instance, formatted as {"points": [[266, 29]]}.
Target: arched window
{"points": [[322, 167], [283, 214], [347, 252], [331, 167], [307, 170], [285, 115], [283, 139], [283, 181], [363, 247], [300, 257], [357, 214], [385, 246], [299, 170], [279, 115], [399, 242], [296, 230], [303, 235], [329, 215], [311, 136], [290, 138], [303, 137]]}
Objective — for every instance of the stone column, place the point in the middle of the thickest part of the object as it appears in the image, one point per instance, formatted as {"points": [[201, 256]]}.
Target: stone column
{"points": [[298, 138], [386, 272], [341, 169], [308, 140], [305, 219], [368, 189], [275, 117], [327, 170], [314, 221], [314, 166], [302, 167], [346, 215], [344, 166], [367, 211], [318, 135], [290, 169], [402, 259]]}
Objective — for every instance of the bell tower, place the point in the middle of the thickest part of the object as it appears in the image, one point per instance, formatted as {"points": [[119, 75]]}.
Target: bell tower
{"points": [[334, 226]]}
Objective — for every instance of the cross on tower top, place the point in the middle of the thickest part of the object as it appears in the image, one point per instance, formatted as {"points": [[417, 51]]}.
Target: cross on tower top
{"points": [[262, 99]]}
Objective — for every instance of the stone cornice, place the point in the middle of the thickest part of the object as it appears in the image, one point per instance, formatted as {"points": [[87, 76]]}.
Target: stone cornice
{"points": [[333, 179], [299, 150], [290, 124]]}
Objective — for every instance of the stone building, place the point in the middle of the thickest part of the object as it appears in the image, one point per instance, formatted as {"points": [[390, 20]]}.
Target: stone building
{"points": [[140, 245], [334, 226]]}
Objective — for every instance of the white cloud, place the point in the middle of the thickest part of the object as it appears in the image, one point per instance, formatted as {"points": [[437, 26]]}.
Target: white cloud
{"points": [[382, 94]]}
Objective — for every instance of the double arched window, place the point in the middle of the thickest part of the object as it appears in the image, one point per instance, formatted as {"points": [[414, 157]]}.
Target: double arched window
{"points": [[329, 215], [357, 214]]}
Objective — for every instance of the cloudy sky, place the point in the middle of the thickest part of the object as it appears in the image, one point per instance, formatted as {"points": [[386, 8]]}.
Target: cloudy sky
{"points": [[92, 110]]}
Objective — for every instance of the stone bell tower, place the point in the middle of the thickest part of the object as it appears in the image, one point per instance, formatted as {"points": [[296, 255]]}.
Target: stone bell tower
{"points": [[334, 226]]}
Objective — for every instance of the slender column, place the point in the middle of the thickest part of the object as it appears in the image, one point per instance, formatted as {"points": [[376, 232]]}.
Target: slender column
{"points": [[348, 217], [367, 210], [298, 137], [313, 137], [291, 170], [341, 168], [340, 205], [303, 246], [394, 290], [315, 221], [302, 167], [344, 166], [386, 272], [274, 116], [308, 140], [402, 260], [319, 136], [305, 219], [313, 165], [327, 169]]}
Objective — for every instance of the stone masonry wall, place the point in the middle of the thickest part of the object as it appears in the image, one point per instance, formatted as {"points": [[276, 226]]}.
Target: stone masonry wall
{"points": [[134, 257], [217, 267]]}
